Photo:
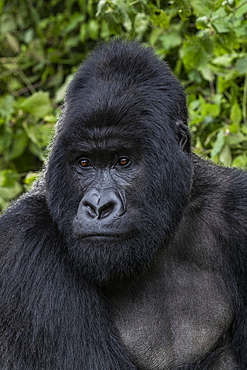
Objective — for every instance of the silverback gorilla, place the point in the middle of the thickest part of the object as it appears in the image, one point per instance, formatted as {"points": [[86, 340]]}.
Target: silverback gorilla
{"points": [[130, 252]]}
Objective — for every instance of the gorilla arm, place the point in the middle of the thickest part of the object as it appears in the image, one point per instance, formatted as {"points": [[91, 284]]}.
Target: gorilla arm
{"points": [[51, 318]]}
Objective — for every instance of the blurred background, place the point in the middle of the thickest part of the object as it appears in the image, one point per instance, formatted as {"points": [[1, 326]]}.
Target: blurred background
{"points": [[42, 43]]}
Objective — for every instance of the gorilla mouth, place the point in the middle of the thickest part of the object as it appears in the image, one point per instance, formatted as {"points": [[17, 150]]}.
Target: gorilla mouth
{"points": [[97, 236], [115, 236]]}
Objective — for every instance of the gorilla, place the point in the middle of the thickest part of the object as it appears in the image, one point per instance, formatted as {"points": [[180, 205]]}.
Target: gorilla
{"points": [[129, 252]]}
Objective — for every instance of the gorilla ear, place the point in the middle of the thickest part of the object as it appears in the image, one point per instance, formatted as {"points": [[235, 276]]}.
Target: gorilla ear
{"points": [[183, 136]]}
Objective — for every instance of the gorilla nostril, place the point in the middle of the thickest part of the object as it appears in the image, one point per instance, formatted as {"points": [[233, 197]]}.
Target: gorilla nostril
{"points": [[106, 209], [90, 209]]}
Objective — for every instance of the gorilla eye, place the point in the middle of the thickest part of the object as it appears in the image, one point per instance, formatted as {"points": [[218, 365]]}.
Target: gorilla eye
{"points": [[123, 161], [84, 162]]}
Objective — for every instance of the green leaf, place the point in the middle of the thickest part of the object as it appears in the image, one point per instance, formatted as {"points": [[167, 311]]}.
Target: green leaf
{"points": [[13, 42], [7, 23], [219, 143], [202, 23], [39, 134], [8, 178], [60, 93], [6, 138], [208, 109], [193, 54], [6, 107], [226, 156], [9, 187], [102, 5], [241, 65], [171, 40], [207, 74], [38, 105], [125, 18], [19, 144], [223, 60], [240, 161], [236, 114], [158, 17], [141, 24], [30, 178], [244, 129], [93, 29], [234, 140], [185, 10], [241, 8], [205, 7], [40, 137], [76, 19], [1, 6], [220, 20]]}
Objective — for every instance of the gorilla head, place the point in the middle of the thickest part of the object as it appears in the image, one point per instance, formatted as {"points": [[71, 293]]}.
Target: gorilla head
{"points": [[119, 173]]}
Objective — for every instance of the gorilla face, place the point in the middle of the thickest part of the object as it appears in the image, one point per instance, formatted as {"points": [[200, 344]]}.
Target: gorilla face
{"points": [[119, 173]]}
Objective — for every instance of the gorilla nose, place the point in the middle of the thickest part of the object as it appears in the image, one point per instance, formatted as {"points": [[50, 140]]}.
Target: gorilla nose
{"points": [[102, 205], [99, 210]]}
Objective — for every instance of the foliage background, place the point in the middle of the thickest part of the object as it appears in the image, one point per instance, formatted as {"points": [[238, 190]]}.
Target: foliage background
{"points": [[43, 42]]}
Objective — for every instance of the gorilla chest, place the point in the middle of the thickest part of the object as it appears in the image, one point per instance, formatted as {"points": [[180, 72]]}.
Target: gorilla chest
{"points": [[173, 319]]}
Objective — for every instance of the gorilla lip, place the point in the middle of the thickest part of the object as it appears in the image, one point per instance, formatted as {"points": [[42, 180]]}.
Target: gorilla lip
{"points": [[116, 236], [98, 236]]}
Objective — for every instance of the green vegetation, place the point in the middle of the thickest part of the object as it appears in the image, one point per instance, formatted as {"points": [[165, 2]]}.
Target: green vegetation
{"points": [[42, 43]]}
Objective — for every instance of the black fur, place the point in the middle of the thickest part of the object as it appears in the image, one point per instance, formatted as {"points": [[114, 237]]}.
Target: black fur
{"points": [[129, 252]]}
